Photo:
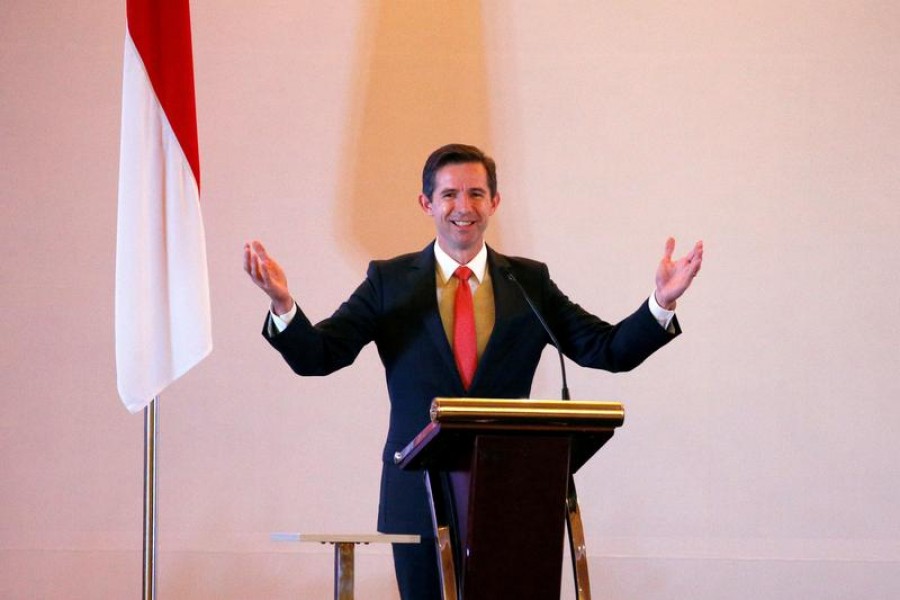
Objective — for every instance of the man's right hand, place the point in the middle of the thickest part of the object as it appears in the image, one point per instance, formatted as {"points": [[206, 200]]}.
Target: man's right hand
{"points": [[268, 275]]}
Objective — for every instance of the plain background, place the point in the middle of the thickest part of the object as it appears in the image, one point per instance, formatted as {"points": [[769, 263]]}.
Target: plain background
{"points": [[759, 453]]}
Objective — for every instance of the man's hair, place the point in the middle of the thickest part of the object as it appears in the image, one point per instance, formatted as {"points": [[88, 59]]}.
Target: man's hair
{"points": [[454, 154]]}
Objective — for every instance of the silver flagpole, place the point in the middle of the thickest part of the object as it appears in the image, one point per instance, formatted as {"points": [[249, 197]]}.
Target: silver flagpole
{"points": [[151, 434]]}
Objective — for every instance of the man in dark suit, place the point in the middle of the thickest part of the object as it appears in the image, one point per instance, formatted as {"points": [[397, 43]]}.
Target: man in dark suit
{"points": [[406, 306]]}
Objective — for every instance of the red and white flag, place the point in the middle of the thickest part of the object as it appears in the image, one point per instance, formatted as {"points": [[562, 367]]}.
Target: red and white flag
{"points": [[163, 323]]}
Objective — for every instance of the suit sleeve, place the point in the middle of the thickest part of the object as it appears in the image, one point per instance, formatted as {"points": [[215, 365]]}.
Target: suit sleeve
{"points": [[592, 342], [334, 343]]}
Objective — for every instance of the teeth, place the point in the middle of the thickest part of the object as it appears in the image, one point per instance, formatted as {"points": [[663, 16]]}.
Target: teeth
{"points": [[462, 223]]}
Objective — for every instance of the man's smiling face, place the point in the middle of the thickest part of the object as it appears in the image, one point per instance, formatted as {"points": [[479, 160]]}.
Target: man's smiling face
{"points": [[461, 206]]}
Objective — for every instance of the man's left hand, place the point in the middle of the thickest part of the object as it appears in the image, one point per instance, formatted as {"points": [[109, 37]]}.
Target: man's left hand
{"points": [[674, 277]]}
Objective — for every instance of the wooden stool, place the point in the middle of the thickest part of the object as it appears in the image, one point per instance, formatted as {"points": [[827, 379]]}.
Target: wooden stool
{"points": [[344, 546]]}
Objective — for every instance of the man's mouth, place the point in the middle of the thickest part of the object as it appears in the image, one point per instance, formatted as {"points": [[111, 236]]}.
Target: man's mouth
{"points": [[462, 223]]}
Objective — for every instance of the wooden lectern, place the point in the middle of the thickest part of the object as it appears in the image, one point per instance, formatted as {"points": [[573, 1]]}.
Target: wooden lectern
{"points": [[499, 480]]}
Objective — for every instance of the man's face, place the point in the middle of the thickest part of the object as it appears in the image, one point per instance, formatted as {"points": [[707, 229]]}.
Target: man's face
{"points": [[461, 206]]}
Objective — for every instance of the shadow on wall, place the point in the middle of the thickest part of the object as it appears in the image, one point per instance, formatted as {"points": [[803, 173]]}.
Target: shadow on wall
{"points": [[421, 82]]}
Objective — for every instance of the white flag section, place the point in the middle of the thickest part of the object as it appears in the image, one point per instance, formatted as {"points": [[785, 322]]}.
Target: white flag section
{"points": [[162, 310]]}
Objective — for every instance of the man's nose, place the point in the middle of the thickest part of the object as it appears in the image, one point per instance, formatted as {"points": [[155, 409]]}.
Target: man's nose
{"points": [[464, 203]]}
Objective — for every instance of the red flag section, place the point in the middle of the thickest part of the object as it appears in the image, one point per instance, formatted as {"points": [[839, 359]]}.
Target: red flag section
{"points": [[161, 32]]}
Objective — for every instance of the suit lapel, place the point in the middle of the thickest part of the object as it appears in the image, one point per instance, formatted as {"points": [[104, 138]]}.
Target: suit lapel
{"points": [[422, 280], [508, 302]]}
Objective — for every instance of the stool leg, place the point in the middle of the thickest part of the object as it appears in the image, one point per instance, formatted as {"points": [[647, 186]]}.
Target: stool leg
{"points": [[343, 570]]}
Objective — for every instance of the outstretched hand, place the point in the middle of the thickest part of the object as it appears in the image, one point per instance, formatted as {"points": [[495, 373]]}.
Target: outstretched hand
{"points": [[268, 275], [674, 277]]}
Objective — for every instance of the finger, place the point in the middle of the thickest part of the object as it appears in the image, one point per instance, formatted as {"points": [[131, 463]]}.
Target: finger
{"points": [[260, 250], [697, 253], [257, 269], [670, 248], [258, 258], [247, 258], [698, 249], [690, 256], [254, 268]]}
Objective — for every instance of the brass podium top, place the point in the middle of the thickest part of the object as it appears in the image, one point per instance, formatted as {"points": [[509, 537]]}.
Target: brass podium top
{"points": [[571, 412]]}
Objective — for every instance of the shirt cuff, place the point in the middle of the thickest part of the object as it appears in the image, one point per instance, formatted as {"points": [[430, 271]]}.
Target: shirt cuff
{"points": [[662, 316], [280, 322]]}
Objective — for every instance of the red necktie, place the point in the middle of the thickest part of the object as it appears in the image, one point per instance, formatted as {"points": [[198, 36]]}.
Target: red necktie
{"points": [[465, 349]]}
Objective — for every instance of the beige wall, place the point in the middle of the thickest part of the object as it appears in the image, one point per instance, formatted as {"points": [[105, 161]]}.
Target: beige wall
{"points": [[759, 455]]}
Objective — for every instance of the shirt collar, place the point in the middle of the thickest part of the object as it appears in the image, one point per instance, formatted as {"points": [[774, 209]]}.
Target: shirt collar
{"points": [[447, 266]]}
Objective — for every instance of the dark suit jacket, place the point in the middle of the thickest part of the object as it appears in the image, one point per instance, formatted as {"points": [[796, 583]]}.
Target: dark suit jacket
{"points": [[396, 307]]}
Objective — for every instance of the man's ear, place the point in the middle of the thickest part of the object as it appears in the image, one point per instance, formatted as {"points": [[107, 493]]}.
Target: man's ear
{"points": [[425, 203], [495, 202]]}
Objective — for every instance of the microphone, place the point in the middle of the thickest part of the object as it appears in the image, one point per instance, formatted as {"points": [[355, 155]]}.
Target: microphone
{"points": [[562, 365]]}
